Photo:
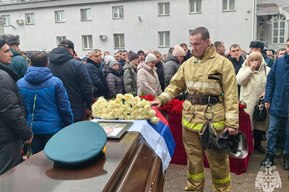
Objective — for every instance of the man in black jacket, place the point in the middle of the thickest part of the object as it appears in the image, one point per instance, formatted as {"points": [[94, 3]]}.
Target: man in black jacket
{"points": [[74, 76], [93, 65], [13, 127], [160, 69], [235, 57], [237, 60]]}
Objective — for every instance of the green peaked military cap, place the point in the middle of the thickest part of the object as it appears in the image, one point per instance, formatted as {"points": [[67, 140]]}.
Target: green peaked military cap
{"points": [[76, 144]]}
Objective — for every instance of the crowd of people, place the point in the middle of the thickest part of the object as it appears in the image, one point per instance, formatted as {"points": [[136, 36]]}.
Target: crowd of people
{"points": [[43, 93]]}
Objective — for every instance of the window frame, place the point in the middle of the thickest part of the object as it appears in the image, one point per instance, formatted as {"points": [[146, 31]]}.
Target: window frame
{"points": [[118, 8], [227, 8], [279, 19], [195, 2], [162, 6], [86, 14], [56, 14], [32, 18], [88, 42], [7, 20], [121, 41], [165, 43], [59, 39], [261, 32]]}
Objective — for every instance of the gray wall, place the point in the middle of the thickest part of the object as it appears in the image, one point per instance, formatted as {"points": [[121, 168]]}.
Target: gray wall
{"points": [[230, 27]]}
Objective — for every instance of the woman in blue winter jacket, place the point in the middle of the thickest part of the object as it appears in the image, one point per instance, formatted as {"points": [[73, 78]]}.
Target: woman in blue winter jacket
{"points": [[46, 101]]}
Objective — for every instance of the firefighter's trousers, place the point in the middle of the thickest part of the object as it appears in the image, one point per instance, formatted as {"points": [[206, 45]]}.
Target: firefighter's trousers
{"points": [[218, 161]]}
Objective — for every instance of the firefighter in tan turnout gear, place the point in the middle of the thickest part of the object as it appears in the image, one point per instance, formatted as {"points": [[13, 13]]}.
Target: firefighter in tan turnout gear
{"points": [[208, 80]]}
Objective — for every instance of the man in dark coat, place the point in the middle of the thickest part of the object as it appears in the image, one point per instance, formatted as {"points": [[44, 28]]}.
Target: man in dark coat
{"points": [[74, 76], [160, 69], [188, 53], [13, 126], [237, 59], [93, 65], [277, 101], [173, 63]]}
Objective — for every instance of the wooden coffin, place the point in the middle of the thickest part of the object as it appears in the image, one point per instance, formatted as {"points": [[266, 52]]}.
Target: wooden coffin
{"points": [[128, 165]]}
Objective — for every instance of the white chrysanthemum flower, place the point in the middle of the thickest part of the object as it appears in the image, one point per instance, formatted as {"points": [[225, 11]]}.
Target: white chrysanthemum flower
{"points": [[129, 117], [119, 97], [118, 101], [137, 99], [125, 107], [147, 107], [128, 97], [154, 120], [141, 103], [152, 113]]}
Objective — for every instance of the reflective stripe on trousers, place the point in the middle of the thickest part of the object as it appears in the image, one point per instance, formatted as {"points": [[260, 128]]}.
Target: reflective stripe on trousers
{"points": [[202, 176], [196, 176], [219, 125], [222, 181]]}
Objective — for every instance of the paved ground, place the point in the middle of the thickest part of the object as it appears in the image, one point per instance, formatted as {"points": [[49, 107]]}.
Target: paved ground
{"points": [[175, 179]]}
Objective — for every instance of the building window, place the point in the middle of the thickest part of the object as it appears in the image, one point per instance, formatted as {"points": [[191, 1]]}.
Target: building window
{"points": [[59, 39], [86, 41], [164, 39], [118, 41], [228, 5], [59, 16], [29, 18], [85, 14], [260, 29], [6, 20], [164, 9], [117, 12], [195, 6], [279, 29]]}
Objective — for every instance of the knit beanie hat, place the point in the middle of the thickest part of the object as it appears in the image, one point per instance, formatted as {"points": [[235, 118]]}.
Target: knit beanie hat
{"points": [[11, 39], [112, 63], [132, 56], [178, 51], [150, 58]]}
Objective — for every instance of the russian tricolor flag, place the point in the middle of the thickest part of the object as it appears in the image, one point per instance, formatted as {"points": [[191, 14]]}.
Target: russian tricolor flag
{"points": [[159, 137]]}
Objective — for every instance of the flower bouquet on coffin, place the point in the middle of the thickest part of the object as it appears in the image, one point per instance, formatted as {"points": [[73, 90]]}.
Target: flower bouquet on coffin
{"points": [[124, 107]]}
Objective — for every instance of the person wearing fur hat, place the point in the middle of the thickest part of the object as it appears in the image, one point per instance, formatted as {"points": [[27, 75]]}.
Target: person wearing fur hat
{"points": [[173, 63], [114, 79], [147, 78], [259, 46], [19, 63], [130, 73]]}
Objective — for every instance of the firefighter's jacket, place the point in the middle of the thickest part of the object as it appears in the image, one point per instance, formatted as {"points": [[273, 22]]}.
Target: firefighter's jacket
{"points": [[213, 75]]}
